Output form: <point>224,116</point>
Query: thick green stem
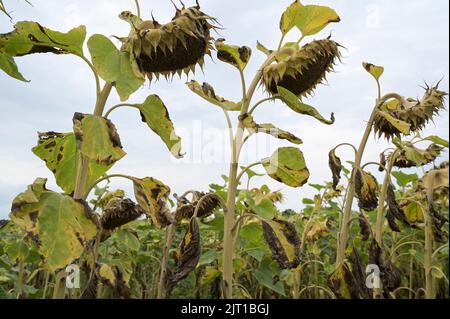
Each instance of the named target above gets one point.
<point>162,286</point>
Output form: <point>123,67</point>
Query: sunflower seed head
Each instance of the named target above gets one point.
<point>300,70</point>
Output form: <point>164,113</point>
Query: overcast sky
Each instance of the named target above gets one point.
<point>408,37</point>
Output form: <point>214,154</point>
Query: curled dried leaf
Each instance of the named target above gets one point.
<point>335,165</point>
<point>411,156</point>
<point>283,241</point>
<point>233,54</point>
<point>188,255</point>
<point>364,225</point>
<point>152,196</point>
<point>366,187</point>
<point>395,212</point>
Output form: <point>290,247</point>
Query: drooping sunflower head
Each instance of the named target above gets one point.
<point>300,70</point>
<point>417,113</point>
<point>171,48</point>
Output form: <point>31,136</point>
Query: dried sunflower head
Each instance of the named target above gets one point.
<point>119,212</point>
<point>186,208</point>
<point>300,70</point>
<point>172,48</point>
<point>417,113</point>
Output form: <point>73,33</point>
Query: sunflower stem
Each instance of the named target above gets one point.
<point>162,285</point>
<point>228,244</point>
<point>346,216</point>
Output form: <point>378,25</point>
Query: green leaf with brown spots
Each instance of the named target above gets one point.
<point>25,206</point>
<point>114,66</point>
<point>153,195</point>
<point>287,165</point>
<point>156,115</point>
<point>30,37</point>
<point>60,154</point>
<point>232,54</point>
<point>97,138</point>
<point>374,70</point>
<point>295,104</point>
<point>206,91</point>
<point>63,227</point>
<point>9,66</point>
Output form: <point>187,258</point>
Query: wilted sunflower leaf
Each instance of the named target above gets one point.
<point>152,195</point>
<point>287,165</point>
<point>342,282</point>
<point>437,140</point>
<point>309,19</point>
<point>264,208</point>
<point>156,115</point>
<point>60,154</point>
<point>364,225</point>
<point>316,230</point>
<point>374,70</point>
<point>112,277</point>
<point>366,190</point>
<point>17,250</point>
<point>114,66</point>
<point>263,49</point>
<point>206,91</point>
<point>233,54</point>
<point>25,207</point>
<point>294,103</point>
<point>30,37</point>
<point>64,227</point>
<point>400,125</point>
<point>283,241</point>
<point>9,66</point>
<point>211,273</point>
<point>267,128</point>
<point>97,138</point>
<point>188,254</point>
<point>265,277</point>
<point>394,210</point>
<point>414,212</point>
<point>411,156</point>
<point>404,179</point>
<point>335,165</point>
